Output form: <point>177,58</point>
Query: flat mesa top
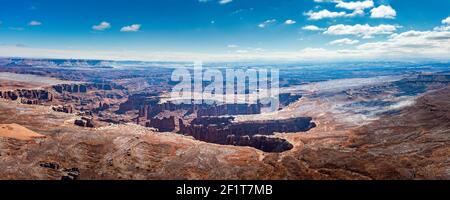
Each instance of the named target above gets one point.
<point>13,80</point>
<point>18,132</point>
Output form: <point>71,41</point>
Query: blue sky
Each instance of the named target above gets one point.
<point>224,29</point>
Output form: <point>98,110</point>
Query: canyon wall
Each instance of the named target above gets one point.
<point>253,133</point>
<point>85,87</point>
<point>165,124</point>
<point>27,96</point>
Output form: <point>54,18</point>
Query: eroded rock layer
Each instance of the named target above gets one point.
<point>253,133</point>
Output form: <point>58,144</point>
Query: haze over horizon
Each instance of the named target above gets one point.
<point>226,30</point>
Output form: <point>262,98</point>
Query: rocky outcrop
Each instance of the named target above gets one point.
<point>201,110</point>
<point>149,106</point>
<point>264,127</point>
<point>70,88</point>
<point>143,102</point>
<point>10,95</point>
<point>85,87</point>
<point>85,122</point>
<point>64,109</point>
<point>261,142</point>
<point>71,174</point>
<point>222,130</point>
<point>165,124</point>
<point>102,107</point>
<point>434,78</point>
<point>27,96</point>
<point>227,109</point>
<point>288,98</point>
<point>50,165</point>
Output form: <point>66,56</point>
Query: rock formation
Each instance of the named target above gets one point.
<point>64,109</point>
<point>165,124</point>
<point>288,98</point>
<point>222,130</point>
<point>27,96</point>
<point>85,122</point>
<point>149,106</point>
<point>261,142</point>
<point>84,87</point>
<point>228,109</point>
<point>138,102</point>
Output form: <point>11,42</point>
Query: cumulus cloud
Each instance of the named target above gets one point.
<point>442,28</point>
<point>312,28</point>
<point>290,22</point>
<point>446,21</point>
<point>409,45</point>
<point>355,5</point>
<point>102,26</point>
<point>365,31</point>
<point>423,43</point>
<point>35,23</point>
<point>267,23</point>
<point>350,5</point>
<point>322,14</point>
<point>344,41</point>
<point>445,27</point>
<point>356,13</point>
<point>132,28</point>
<point>383,12</point>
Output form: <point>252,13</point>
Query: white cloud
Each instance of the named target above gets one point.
<point>383,12</point>
<point>446,21</point>
<point>409,45</point>
<point>323,14</point>
<point>356,13</point>
<point>355,5</point>
<point>445,27</point>
<point>35,23</point>
<point>102,26</point>
<point>413,43</point>
<point>365,31</point>
<point>442,28</point>
<point>233,46</point>
<point>221,2</point>
<point>132,28</point>
<point>242,51</point>
<point>225,1</point>
<point>312,28</point>
<point>290,22</point>
<point>308,53</point>
<point>267,23</point>
<point>344,41</point>
<point>329,14</point>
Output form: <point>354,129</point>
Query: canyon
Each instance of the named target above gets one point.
<point>78,124</point>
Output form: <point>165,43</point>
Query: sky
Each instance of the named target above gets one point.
<point>226,30</point>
